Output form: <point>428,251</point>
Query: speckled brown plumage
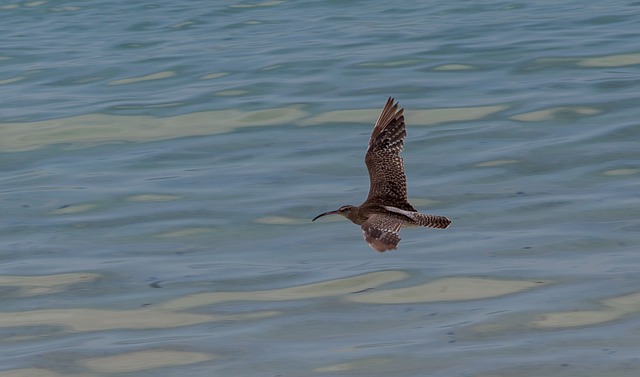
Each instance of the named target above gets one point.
<point>387,209</point>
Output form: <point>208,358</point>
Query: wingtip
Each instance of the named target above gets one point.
<point>390,111</point>
<point>391,102</point>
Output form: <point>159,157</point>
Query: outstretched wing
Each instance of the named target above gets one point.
<point>381,232</point>
<point>388,183</point>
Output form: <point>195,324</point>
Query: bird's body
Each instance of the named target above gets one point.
<point>386,210</point>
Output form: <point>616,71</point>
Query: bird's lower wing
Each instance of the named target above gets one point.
<point>381,233</point>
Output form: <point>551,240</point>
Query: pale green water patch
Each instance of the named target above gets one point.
<point>38,285</point>
<point>414,117</point>
<point>268,3</point>
<point>36,372</point>
<point>618,172</point>
<point>144,360</point>
<point>216,75</point>
<point>186,232</point>
<point>556,113</point>
<point>150,77</point>
<point>497,163</point>
<point>12,80</point>
<point>77,208</point>
<point>393,63</point>
<point>281,220</point>
<point>82,320</point>
<point>612,309</point>
<point>328,288</point>
<point>621,60</point>
<point>357,365</point>
<point>152,198</point>
<point>150,106</point>
<point>448,289</point>
<point>182,25</point>
<point>607,61</point>
<point>102,128</point>
<point>34,4</point>
<point>120,363</point>
<point>453,67</point>
<point>232,92</point>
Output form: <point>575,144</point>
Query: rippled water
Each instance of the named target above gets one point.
<point>160,164</point>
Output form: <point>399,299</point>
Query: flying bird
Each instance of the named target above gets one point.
<point>387,209</point>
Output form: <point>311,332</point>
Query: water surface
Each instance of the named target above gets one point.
<point>160,164</point>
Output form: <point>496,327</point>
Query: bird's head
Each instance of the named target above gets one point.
<point>347,211</point>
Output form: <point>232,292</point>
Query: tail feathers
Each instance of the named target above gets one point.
<point>432,221</point>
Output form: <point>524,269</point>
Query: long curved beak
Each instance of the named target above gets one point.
<point>324,214</point>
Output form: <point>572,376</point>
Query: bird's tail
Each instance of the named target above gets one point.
<point>432,221</point>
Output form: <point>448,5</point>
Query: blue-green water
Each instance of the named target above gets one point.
<point>160,163</point>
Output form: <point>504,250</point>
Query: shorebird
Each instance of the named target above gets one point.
<point>386,209</point>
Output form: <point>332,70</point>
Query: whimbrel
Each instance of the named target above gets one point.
<point>387,209</point>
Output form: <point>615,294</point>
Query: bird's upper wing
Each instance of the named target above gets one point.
<point>381,232</point>
<point>388,183</point>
